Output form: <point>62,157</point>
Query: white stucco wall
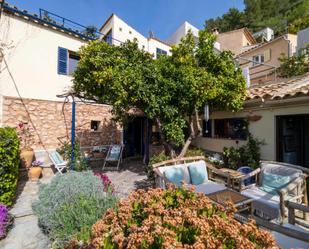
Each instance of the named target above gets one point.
<point>153,44</point>
<point>32,58</point>
<point>264,129</point>
<point>182,31</point>
<point>122,32</point>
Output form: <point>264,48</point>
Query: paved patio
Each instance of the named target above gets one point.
<point>26,234</point>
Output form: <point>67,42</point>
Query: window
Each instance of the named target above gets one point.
<point>257,59</point>
<point>109,37</point>
<point>233,128</point>
<point>160,52</point>
<point>94,125</point>
<point>73,60</point>
<point>67,61</point>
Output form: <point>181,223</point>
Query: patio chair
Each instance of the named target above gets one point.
<point>275,183</point>
<point>114,155</point>
<point>57,161</point>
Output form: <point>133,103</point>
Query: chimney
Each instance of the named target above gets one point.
<point>151,34</point>
<point>215,31</point>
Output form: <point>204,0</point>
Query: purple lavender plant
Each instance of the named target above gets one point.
<point>3,219</point>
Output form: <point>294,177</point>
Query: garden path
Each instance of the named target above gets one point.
<point>26,233</point>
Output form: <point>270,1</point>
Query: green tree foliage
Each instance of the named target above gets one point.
<point>9,163</point>
<point>294,65</point>
<point>280,15</point>
<point>170,90</point>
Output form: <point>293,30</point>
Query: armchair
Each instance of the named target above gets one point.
<point>275,184</point>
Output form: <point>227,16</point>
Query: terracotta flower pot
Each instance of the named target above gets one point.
<point>26,157</point>
<point>34,173</point>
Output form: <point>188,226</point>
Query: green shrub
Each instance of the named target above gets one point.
<point>9,162</point>
<point>155,159</point>
<point>247,155</point>
<point>194,152</point>
<point>79,162</point>
<point>70,205</point>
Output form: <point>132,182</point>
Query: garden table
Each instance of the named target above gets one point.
<point>241,202</point>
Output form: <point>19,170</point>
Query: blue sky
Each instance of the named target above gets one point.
<point>160,16</point>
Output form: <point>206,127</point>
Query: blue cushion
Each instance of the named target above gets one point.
<point>198,173</point>
<point>271,182</point>
<point>174,175</point>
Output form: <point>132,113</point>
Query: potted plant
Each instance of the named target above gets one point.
<point>35,171</point>
<point>26,152</point>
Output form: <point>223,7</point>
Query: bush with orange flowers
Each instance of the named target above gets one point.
<point>173,218</point>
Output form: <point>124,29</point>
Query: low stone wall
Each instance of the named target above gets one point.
<point>51,122</point>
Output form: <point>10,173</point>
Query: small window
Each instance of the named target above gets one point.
<point>73,60</point>
<point>120,29</point>
<point>233,128</point>
<point>130,32</point>
<point>257,59</point>
<point>160,52</point>
<point>94,125</point>
<point>108,37</point>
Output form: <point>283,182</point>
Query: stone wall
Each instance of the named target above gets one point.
<point>51,122</point>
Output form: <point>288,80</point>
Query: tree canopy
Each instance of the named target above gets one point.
<point>170,90</point>
<point>280,15</point>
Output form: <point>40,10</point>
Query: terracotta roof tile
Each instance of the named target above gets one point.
<point>278,90</point>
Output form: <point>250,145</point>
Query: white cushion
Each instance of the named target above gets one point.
<point>182,166</point>
<point>200,163</point>
<point>264,202</point>
<point>209,187</point>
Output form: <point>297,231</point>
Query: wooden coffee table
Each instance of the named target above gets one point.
<point>241,202</point>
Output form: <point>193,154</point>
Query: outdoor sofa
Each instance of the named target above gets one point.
<point>275,183</point>
<point>190,171</point>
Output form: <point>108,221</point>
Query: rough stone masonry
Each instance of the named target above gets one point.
<point>51,122</point>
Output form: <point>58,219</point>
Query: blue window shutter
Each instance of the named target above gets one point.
<point>62,61</point>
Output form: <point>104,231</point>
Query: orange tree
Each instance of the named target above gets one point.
<point>173,218</point>
<point>171,90</point>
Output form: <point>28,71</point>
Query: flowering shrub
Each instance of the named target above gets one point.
<point>25,134</point>
<point>69,205</point>
<point>9,162</point>
<point>174,218</point>
<point>36,163</point>
<point>108,186</point>
<point>3,220</point>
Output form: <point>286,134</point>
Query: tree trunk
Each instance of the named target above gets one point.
<point>167,147</point>
<point>193,133</point>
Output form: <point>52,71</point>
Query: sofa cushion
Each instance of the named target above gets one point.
<point>263,202</point>
<point>198,173</point>
<point>209,187</point>
<point>174,175</point>
<point>272,182</point>
<point>186,176</point>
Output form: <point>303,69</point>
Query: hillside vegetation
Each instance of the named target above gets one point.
<point>281,15</point>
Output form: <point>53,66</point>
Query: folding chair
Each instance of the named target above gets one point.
<point>114,154</point>
<point>58,162</point>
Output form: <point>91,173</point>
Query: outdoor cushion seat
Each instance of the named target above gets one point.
<point>206,187</point>
<point>209,187</point>
<point>266,204</point>
<point>277,183</point>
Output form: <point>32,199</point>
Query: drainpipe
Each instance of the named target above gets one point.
<point>73,133</point>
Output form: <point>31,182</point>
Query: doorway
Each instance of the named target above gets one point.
<point>293,139</point>
<point>135,138</point>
